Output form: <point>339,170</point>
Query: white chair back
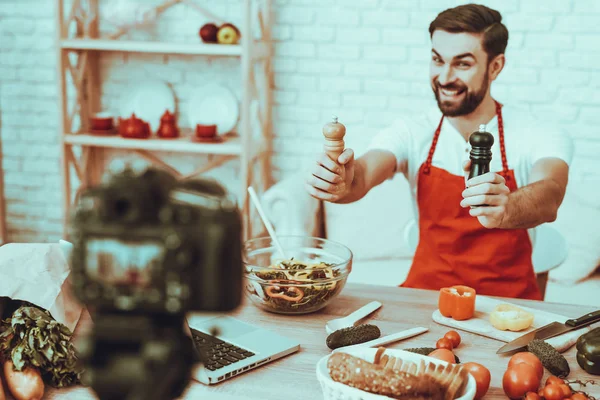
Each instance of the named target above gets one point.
<point>549,250</point>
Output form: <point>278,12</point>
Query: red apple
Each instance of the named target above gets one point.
<point>208,33</point>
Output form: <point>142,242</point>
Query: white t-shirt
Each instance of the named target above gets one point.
<point>526,140</point>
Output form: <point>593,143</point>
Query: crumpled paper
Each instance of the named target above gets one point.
<point>37,273</point>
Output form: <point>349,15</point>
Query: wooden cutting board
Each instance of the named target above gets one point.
<point>480,324</point>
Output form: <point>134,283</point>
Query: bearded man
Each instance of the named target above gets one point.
<point>475,232</point>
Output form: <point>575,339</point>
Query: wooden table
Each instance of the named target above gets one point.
<point>294,377</point>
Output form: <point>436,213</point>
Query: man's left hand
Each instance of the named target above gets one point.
<point>489,189</point>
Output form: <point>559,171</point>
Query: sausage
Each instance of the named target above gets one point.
<point>24,385</point>
<point>2,395</point>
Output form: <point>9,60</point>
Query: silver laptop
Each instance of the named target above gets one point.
<point>235,348</point>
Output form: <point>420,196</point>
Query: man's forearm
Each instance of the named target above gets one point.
<point>532,205</point>
<point>370,170</point>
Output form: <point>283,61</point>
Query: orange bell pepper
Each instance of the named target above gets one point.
<point>457,302</point>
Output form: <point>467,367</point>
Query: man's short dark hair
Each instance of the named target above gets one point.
<point>475,18</point>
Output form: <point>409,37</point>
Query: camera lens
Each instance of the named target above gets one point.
<point>124,208</point>
<point>121,207</point>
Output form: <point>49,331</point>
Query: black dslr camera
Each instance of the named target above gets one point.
<point>148,248</point>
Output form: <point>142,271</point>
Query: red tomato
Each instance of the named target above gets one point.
<point>444,343</point>
<point>532,396</point>
<point>454,337</point>
<point>566,390</point>
<point>482,377</point>
<point>528,358</point>
<point>579,396</point>
<point>553,392</point>
<point>520,379</point>
<point>554,380</point>
<point>443,354</point>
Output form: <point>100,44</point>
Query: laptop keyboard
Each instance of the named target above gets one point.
<point>219,353</point>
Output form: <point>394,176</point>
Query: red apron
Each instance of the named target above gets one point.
<point>455,249</point>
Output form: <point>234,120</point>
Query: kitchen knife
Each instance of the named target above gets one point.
<point>548,331</point>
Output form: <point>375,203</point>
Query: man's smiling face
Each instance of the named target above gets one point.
<point>458,72</point>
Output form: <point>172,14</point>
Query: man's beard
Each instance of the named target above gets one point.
<point>469,103</point>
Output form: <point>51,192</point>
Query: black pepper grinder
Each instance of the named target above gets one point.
<point>481,152</point>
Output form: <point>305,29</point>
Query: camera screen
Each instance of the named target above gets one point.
<point>123,263</point>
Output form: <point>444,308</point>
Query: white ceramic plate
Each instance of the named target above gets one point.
<point>214,104</point>
<point>333,390</point>
<point>127,13</point>
<point>149,101</point>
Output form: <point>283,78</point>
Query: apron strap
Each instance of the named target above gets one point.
<point>505,174</point>
<point>427,166</point>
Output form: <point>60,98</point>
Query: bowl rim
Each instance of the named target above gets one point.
<point>367,353</point>
<point>346,260</point>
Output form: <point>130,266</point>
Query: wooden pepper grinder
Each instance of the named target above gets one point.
<point>168,126</point>
<point>481,152</point>
<point>334,138</point>
<point>334,143</point>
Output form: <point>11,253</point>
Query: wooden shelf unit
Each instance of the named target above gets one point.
<point>252,149</point>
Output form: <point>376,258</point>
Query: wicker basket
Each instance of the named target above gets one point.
<point>337,391</point>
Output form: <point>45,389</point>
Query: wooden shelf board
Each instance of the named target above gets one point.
<point>152,47</point>
<point>230,146</point>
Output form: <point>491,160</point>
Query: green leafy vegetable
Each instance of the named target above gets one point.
<point>31,337</point>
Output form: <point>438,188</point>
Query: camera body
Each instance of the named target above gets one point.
<point>147,249</point>
<point>146,242</point>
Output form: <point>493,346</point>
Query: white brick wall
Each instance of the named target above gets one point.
<point>365,61</point>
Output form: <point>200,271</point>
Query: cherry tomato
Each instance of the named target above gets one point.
<point>443,354</point>
<point>454,337</point>
<point>528,358</point>
<point>520,379</point>
<point>579,396</point>
<point>444,343</point>
<point>482,377</point>
<point>553,392</point>
<point>566,390</point>
<point>532,396</point>
<point>554,380</point>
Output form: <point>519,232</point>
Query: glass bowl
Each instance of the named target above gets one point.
<point>313,273</point>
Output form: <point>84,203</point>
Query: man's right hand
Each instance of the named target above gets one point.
<point>329,180</point>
